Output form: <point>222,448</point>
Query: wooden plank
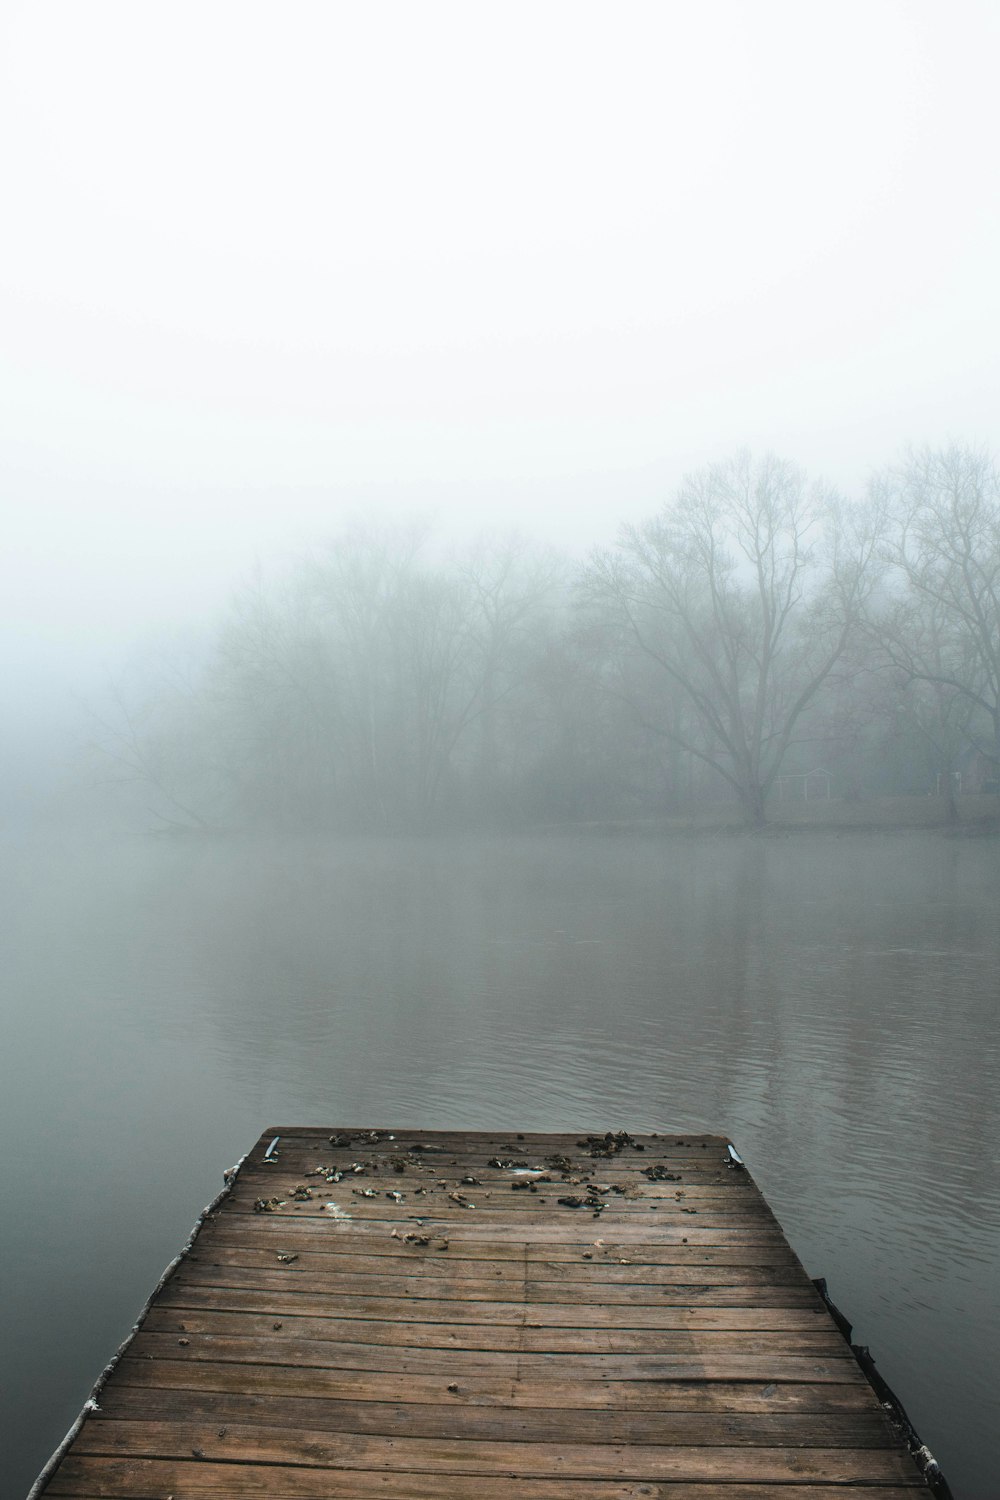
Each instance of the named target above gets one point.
<point>307,1274</point>
<point>581,1231</point>
<point>405,1331</point>
<point>661,1179</point>
<point>471,1281</point>
<point>455,1310</point>
<point>403,1160</point>
<point>663,1186</point>
<point>529,1185</point>
<point>851,1393</point>
<point>868,1429</point>
<point>372,1200</point>
<point>471,1142</point>
<point>350,1334</point>
<point>257,1443</point>
<point>265,1232</point>
<point>536,1293</point>
<point>152,1479</point>
<point>697,1362</point>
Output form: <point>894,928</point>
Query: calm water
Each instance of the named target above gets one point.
<point>830,1003</point>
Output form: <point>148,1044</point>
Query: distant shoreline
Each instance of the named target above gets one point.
<point>978,816</point>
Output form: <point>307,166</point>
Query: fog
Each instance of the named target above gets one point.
<point>530,267</point>
<point>475,468</point>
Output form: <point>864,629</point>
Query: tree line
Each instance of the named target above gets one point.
<point>756,626</point>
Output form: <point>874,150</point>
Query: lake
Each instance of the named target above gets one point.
<point>829,1002</point>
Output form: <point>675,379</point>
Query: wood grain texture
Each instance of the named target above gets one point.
<point>416,1314</point>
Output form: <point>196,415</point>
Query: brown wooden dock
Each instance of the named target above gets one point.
<point>425,1314</point>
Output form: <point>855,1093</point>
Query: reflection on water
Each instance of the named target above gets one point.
<point>830,1003</point>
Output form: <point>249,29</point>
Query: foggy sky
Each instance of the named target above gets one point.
<point>520,264</point>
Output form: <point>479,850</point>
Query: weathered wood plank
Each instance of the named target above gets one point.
<point>351,1334</point>
<point>472,1141</point>
<point>452,1362</point>
<point>152,1479</point>
<point>852,1393</point>
<point>258,1443</point>
<point>577,1229</point>
<point>456,1311</point>
<point>368,1196</point>
<point>658,1182</point>
<point>868,1429</point>
<point>522,1206</point>
<point>307,1274</point>
<point>265,1231</point>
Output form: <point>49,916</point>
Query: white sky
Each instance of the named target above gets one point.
<point>517,263</point>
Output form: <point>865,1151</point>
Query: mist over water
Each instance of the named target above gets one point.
<point>829,1002</point>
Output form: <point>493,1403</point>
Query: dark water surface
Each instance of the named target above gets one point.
<point>831,1003</point>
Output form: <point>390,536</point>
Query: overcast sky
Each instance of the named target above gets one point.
<point>520,264</point>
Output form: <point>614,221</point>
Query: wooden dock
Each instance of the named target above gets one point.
<point>428,1314</point>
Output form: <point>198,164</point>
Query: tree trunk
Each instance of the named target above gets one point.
<point>752,798</point>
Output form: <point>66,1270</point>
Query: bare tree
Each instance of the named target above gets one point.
<point>408,662</point>
<point>745,593</point>
<point>940,623</point>
<point>915,639</point>
<point>269,681</point>
<point>155,735</point>
<point>513,589</point>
